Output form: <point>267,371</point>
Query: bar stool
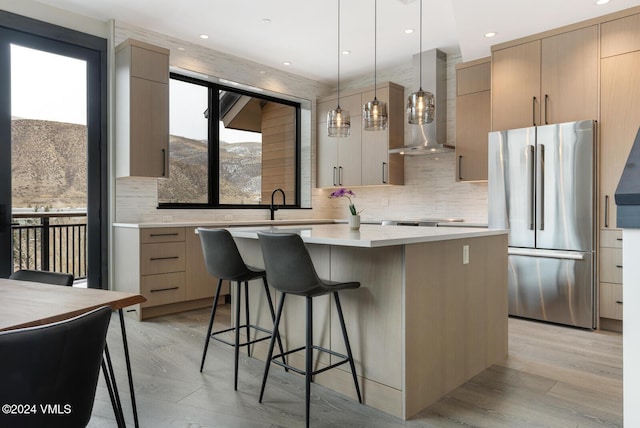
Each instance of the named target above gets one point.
<point>223,260</point>
<point>290,270</point>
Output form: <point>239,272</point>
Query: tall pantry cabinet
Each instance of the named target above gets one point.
<point>620,119</point>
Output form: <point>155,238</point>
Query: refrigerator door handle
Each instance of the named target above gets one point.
<point>532,187</point>
<point>541,186</point>
<point>567,255</point>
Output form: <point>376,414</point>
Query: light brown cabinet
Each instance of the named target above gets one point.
<point>142,110</point>
<point>620,36</point>
<point>550,80</point>
<point>362,158</point>
<point>473,119</point>
<point>165,266</point>
<point>611,274</point>
<point>620,118</point>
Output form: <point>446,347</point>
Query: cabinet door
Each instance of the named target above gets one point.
<point>199,283</point>
<point>150,65</point>
<point>473,123</point>
<point>620,36</point>
<point>149,128</point>
<point>515,86</point>
<point>327,162</point>
<point>375,146</point>
<point>619,120</point>
<point>350,155</point>
<point>569,76</point>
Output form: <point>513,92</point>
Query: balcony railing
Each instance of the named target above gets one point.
<point>53,241</point>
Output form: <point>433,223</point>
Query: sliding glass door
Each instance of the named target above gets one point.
<point>52,150</point>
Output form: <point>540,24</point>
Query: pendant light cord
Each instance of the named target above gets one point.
<point>375,49</point>
<point>338,54</point>
<point>420,45</point>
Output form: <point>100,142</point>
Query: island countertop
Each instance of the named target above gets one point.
<point>369,236</point>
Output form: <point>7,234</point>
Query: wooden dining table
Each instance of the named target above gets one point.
<point>29,304</point>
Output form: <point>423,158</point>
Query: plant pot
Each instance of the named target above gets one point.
<point>354,222</point>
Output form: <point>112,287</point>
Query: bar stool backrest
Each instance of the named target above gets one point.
<point>288,263</point>
<point>221,255</point>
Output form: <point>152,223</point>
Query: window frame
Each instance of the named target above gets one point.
<point>213,151</point>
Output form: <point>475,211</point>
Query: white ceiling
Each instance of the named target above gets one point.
<point>305,31</point>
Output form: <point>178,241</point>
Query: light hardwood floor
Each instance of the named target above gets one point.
<point>554,377</point>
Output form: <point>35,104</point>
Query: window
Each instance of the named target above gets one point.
<point>229,147</point>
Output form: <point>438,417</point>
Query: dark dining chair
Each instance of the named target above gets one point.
<point>50,372</point>
<point>44,276</point>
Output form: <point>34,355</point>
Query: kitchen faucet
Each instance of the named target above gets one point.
<point>273,208</point>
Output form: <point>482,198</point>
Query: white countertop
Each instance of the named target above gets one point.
<point>227,223</point>
<point>368,236</point>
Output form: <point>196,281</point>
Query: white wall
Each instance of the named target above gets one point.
<point>631,320</point>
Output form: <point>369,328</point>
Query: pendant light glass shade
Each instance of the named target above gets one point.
<point>374,113</point>
<point>338,120</point>
<point>421,105</point>
<point>338,123</point>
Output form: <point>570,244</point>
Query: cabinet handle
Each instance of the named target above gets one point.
<point>606,210</point>
<point>618,239</point>
<point>546,109</point>
<point>164,289</point>
<point>533,110</point>
<point>163,258</point>
<point>164,162</point>
<point>340,175</point>
<point>460,168</point>
<point>163,234</point>
<point>384,180</point>
<point>619,266</point>
<point>334,176</point>
<point>619,302</point>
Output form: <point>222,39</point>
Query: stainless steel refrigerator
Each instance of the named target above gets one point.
<point>542,188</point>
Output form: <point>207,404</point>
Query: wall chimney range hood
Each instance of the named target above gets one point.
<point>431,138</point>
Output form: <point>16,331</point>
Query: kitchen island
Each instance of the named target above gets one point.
<point>431,312</point>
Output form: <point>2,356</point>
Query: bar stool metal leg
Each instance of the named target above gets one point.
<point>308,358</point>
<point>246,313</point>
<point>271,344</point>
<point>347,345</point>
<point>213,314</point>
<point>237,338</point>
<point>273,318</point>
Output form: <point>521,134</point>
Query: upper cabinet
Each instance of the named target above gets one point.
<point>473,119</point>
<point>620,36</point>
<point>362,158</point>
<point>142,110</point>
<point>550,80</point>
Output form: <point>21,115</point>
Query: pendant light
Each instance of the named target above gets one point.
<point>374,113</point>
<point>421,105</point>
<point>338,120</point>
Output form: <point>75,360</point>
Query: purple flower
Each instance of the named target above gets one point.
<point>345,193</point>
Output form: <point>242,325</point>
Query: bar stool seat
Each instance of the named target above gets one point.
<point>290,270</point>
<point>223,260</point>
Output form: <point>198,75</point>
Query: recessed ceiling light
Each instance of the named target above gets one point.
<point>266,20</point>
<point>601,2</point>
<point>287,63</point>
<point>204,36</point>
<point>490,34</point>
<point>263,72</point>
<point>409,31</point>
<point>346,52</point>
<point>181,48</point>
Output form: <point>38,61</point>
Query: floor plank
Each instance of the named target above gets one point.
<point>554,377</point>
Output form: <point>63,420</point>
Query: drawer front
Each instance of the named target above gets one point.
<point>611,265</point>
<point>163,289</point>
<point>165,234</point>
<point>162,258</point>
<point>611,300</point>
<point>611,238</point>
